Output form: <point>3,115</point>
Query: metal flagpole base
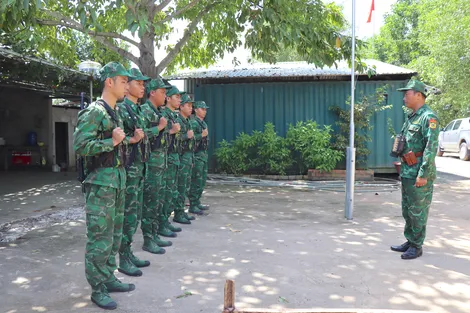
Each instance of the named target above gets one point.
<point>350,179</point>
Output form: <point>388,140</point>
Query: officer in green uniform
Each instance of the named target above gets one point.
<point>186,160</point>
<point>100,139</point>
<point>418,169</point>
<point>137,154</point>
<point>154,185</point>
<point>199,175</point>
<point>173,100</point>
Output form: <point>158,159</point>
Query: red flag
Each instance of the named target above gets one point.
<point>372,8</point>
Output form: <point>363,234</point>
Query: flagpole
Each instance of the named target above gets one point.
<point>351,151</point>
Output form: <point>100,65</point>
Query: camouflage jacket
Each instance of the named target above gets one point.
<point>187,145</point>
<point>93,139</point>
<point>421,131</point>
<point>131,122</point>
<point>198,126</point>
<point>174,144</point>
<point>157,139</point>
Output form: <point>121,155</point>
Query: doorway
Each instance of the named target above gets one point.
<point>62,144</point>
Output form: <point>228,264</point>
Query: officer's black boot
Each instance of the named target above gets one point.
<point>412,253</point>
<point>401,248</point>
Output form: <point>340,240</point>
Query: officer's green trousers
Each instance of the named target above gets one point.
<point>415,208</point>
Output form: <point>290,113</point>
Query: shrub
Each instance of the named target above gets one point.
<point>312,147</point>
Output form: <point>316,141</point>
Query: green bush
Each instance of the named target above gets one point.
<point>273,155</point>
<point>312,147</point>
<point>261,152</point>
<point>306,146</point>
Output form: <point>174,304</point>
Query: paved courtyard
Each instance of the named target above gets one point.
<point>283,247</point>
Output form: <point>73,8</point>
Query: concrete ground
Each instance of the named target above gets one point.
<point>283,248</point>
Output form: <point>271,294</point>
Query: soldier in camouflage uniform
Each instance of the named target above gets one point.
<point>154,185</point>
<point>418,168</point>
<point>199,175</point>
<point>173,100</point>
<point>137,154</point>
<point>100,139</point>
<point>186,160</point>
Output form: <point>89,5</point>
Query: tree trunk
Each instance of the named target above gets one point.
<point>147,55</point>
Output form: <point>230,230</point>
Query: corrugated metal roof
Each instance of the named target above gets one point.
<point>287,69</point>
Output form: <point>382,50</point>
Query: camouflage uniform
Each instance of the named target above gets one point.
<point>421,131</point>
<point>154,186</point>
<point>105,184</point>
<point>171,173</point>
<point>199,175</point>
<point>185,168</point>
<point>137,154</point>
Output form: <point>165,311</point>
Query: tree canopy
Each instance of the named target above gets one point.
<point>433,38</point>
<point>212,28</point>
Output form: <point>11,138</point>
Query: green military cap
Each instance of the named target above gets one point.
<point>174,91</point>
<point>156,83</point>
<point>113,69</point>
<point>137,75</point>
<point>200,105</point>
<point>415,85</point>
<point>185,98</point>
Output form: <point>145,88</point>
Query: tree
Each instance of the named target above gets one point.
<point>433,38</point>
<point>213,27</point>
<point>398,42</point>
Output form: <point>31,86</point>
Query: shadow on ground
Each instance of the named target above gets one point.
<point>283,248</point>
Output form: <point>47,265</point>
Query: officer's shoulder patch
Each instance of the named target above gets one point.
<point>432,123</point>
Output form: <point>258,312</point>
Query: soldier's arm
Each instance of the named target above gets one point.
<point>86,141</point>
<point>150,131</point>
<point>195,127</point>
<point>431,134</point>
<point>125,122</point>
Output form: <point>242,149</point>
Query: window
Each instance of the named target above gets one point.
<point>449,126</point>
<point>457,125</point>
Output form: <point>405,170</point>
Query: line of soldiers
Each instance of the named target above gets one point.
<point>141,162</point>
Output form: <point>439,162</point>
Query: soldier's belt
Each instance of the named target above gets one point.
<point>410,157</point>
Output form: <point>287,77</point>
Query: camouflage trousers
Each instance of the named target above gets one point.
<point>133,203</point>
<point>184,181</point>
<point>171,186</point>
<point>154,192</point>
<point>198,178</point>
<point>104,218</point>
<point>415,209</point>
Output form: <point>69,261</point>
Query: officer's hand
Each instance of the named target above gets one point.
<point>139,134</point>
<point>420,182</point>
<point>205,132</point>
<point>176,128</point>
<point>162,123</point>
<point>118,136</point>
<point>190,134</point>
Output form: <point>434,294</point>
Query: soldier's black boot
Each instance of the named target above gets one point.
<point>174,228</point>
<point>115,285</point>
<point>136,261</point>
<point>101,298</point>
<point>412,253</point>
<point>401,248</point>
<point>203,207</point>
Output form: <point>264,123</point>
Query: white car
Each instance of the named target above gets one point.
<point>455,138</point>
